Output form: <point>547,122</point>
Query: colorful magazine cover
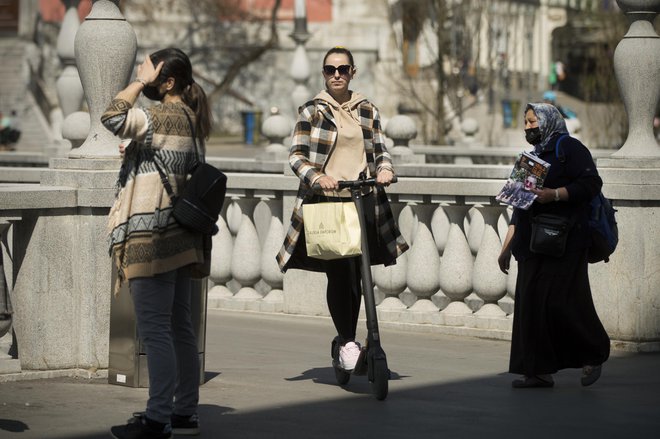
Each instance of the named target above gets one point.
<point>528,171</point>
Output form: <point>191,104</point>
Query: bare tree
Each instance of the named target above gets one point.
<point>221,36</point>
<point>445,31</point>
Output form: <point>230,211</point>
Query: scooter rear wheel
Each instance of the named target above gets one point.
<point>379,386</point>
<point>342,376</point>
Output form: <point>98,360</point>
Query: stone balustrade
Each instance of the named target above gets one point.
<point>449,277</point>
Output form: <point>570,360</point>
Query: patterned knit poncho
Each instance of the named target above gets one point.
<point>144,238</point>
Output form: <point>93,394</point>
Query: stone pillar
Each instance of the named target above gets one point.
<point>639,77</point>
<point>276,127</point>
<point>300,63</point>
<point>105,49</point>
<point>69,89</point>
<point>626,290</point>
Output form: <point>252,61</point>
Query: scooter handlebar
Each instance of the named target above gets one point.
<point>347,184</point>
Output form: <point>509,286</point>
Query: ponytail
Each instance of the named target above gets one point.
<point>195,97</point>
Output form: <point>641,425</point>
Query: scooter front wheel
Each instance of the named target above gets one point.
<point>381,376</point>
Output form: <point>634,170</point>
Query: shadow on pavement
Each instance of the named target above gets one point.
<point>624,403</point>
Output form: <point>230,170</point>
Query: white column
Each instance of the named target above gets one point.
<point>490,284</point>
<point>269,212</point>
<point>423,267</point>
<point>456,268</point>
<point>637,68</point>
<point>105,48</point>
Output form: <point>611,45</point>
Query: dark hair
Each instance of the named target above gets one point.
<point>176,64</point>
<point>340,49</point>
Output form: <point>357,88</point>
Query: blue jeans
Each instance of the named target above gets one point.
<point>162,310</point>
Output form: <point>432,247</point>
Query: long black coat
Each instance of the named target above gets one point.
<point>555,323</point>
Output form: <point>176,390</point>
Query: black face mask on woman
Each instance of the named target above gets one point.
<point>533,135</point>
<point>151,92</point>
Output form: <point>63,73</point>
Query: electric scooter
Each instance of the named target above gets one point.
<point>372,360</point>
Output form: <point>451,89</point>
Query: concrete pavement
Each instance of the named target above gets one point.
<point>269,376</point>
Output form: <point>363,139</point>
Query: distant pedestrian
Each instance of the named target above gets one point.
<point>555,324</point>
<point>149,248</point>
<point>9,131</point>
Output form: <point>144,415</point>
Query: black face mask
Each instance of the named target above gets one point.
<point>533,135</point>
<point>151,92</point>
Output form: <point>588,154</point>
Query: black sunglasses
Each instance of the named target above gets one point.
<point>330,70</point>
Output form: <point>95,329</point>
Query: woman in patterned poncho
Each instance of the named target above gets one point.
<point>149,248</point>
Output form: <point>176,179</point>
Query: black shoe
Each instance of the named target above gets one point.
<point>533,381</point>
<point>590,374</point>
<point>141,427</point>
<point>185,425</point>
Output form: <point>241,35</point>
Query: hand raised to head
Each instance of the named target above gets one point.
<point>147,72</point>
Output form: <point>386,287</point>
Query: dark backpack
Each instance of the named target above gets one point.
<point>603,228</point>
<point>602,224</point>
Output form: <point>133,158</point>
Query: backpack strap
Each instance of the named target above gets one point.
<point>561,158</point>
<point>163,176</point>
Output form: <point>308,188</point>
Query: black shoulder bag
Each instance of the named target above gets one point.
<point>549,234</point>
<point>198,206</point>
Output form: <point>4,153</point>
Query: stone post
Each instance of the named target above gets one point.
<point>105,49</point>
<point>276,127</point>
<point>638,77</point>
<point>402,129</point>
<point>627,289</point>
<point>300,63</point>
<point>69,88</point>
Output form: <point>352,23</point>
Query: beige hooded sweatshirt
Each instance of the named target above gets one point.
<point>348,158</point>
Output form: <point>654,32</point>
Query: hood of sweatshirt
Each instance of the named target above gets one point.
<point>348,106</point>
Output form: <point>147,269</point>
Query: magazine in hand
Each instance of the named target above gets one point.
<point>528,171</point>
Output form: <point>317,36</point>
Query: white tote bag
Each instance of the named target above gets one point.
<point>332,230</point>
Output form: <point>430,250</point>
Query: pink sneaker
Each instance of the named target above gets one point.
<point>348,355</point>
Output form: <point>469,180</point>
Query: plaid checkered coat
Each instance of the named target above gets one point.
<point>314,138</point>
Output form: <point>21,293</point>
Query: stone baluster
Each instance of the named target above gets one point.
<point>456,267</point>
<point>474,230</point>
<point>69,88</point>
<point>267,218</point>
<point>300,63</point>
<point>391,281</point>
<point>423,267</point>
<point>245,257</point>
<point>220,265</point>
<point>402,129</point>
<point>105,49</point>
<point>275,128</point>
<point>506,302</point>
<point>489,283</point>
<point>636,64</point>
<point>440,229</point>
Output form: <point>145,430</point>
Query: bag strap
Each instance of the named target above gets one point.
<point>562,159</point>
<point>163,176</point>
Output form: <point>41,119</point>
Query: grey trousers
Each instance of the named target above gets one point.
<point>162,310</point>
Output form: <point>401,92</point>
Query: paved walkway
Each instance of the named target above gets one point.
<point>269,376</point>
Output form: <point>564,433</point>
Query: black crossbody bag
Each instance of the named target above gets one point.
<point>199,204</point>
<point>550,234</point>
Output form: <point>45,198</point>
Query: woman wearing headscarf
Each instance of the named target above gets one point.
<point>555,325</point>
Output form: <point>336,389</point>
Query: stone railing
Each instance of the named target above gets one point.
<point>448,278</point>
